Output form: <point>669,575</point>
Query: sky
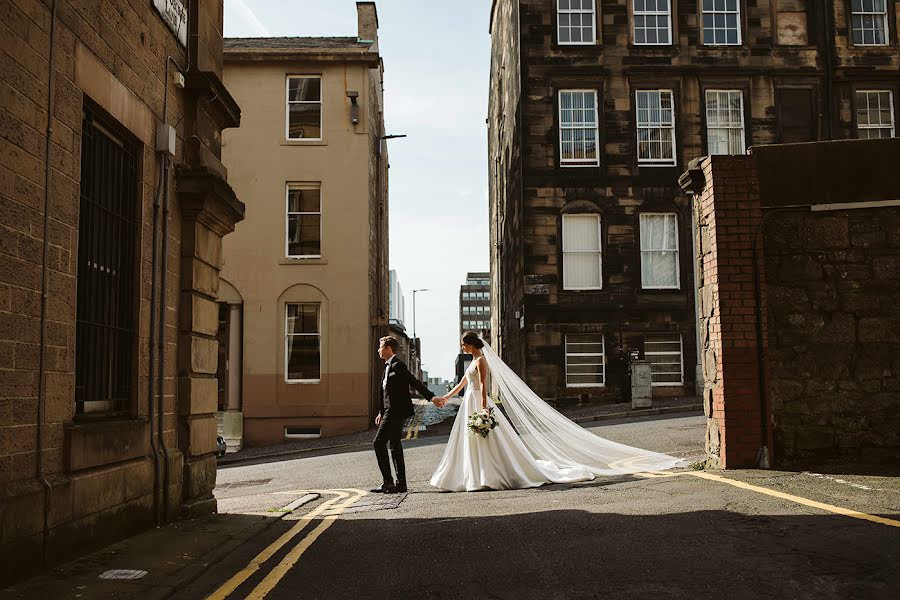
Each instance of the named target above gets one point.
<point>436,65</point>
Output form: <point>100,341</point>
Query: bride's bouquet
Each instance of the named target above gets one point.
<point>482,421</point>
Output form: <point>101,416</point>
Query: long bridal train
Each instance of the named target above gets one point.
<point>545,447</point>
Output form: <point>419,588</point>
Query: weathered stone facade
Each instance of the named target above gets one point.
<point>72,478</point>
<point>797,73</point>
<point>799,249</point>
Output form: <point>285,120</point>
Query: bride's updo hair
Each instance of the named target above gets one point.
<point>471,338</point>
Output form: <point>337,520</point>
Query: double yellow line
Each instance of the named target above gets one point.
<point>343,499</point>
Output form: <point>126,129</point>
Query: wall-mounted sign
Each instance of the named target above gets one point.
<point>175,14</point>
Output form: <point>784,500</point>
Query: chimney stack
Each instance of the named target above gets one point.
<point>367,16</point>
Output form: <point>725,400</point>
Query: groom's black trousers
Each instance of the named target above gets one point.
<point>390,430</point>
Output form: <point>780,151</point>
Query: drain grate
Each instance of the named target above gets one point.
<point>241,484</point>
<point>123,574</point>
<point>370,503</point>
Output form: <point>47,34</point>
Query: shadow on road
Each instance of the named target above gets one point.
<point>581,554</point>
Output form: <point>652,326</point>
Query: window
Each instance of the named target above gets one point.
<point>721,22</point>
<point>105,304</point>
<point>659,251</point>
<point>869,20</point>
<point>582,252</point>
<point>578,128</point>
<point>304,108</point>
<point>725,122</point>
<point>302,342</point>
<point>874,114</point>
<point>655,127</point>
<point>304,221</point>
<point>652,22</point>
<point>797,114</point>
<point>585,360</point>
<point>663,351</point>
<point>576,20</point>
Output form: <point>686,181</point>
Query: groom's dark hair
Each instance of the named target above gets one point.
<point>390,342</point>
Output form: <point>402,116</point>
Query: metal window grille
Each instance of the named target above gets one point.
<point>721,22</point>
<point>576,21</point>
<point>664,352</point>
<point>585,360</point>
<point>655,127</point>
<point>107,234</point>
<point>578,128</point>
<point>725,121</point>
<point>870,22</point>
<point>875,114</point>
<point>652,22</point>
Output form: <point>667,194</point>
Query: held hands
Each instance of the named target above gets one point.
<point>439,401</point>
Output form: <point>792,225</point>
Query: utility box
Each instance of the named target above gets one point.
<point>641,385</point>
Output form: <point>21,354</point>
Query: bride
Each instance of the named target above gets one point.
<point>535,446</point>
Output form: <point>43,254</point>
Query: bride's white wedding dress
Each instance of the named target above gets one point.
<point>544,447</point>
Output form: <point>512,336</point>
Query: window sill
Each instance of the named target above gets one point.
<point>585,385</point>
<point>303,381</point>
<point>303,261</point>
<point>304,143</point>
<point>91,444</point>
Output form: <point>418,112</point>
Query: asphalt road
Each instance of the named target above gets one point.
<point>677,536</point>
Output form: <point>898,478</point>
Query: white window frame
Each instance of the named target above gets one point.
<point>676,250</point>
<point>577,11</point>
<point>567,354</point>
<point>651,13</point>
<point>287,108</point>
<point>287,337</point>
<point>649,126</point>
<point>572,126</point>
<point>868,126</point>
<point>599,220</point>
<point>724,12</point>
<point>680,382</point>
<point>730,125</point>
<point>288,213</point>
<point>876,15</point>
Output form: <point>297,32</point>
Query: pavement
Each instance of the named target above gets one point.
<point>306,527</point>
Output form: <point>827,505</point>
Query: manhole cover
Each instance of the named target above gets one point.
<point>123,574</point>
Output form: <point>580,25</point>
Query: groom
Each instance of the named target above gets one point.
<point>395,407</point>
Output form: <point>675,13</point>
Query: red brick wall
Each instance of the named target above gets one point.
<point>728,216</point>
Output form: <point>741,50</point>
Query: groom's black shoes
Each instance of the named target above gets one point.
<point>400,488</point>
<point>386,488</point>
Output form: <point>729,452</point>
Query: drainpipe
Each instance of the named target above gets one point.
<point>42,362</point>
<point>826,45</point>
<point>151,392</point>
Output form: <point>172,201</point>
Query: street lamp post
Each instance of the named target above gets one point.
<point>414,308</point>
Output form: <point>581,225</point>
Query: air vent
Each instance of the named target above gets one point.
<point>302,433</point>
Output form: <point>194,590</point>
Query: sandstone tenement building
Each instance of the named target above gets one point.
<point>306,272</point>
<point>114,205</point>
<point>596,107</point>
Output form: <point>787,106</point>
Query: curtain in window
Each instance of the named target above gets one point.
<point>659,251</point>
<point>581,252</point>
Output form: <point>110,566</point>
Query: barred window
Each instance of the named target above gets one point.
<point>106,302</point>
<point>725,122</point>
<point>578,128</point>
<point>655,127</point>
<point>575,21</point>
<point>585,360</point>
<point>304,108</point>
<point>874,114</point>
<point>869,20</point>
<point>302,342</point>
<point>659,251</point>
<point>652,22</point>
<point>582,264</point>
<point>664,352</point>
<point>304,221</point>
<point>721,22</point>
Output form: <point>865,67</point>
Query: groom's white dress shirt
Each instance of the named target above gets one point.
<point>387,369</point>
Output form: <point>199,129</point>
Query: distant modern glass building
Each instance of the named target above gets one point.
<point>475,304</point>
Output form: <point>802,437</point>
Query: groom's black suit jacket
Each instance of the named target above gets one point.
<point>395,398</point>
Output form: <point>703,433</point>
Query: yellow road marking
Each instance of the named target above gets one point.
<point>241,576</point>
<point>287,563</point>
<point>838,510</point>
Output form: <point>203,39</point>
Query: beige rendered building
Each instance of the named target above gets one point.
<point>305,281</point>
